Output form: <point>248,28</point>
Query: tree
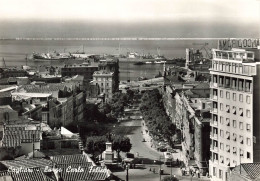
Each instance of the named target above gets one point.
<point>120,143</point>
<point>170,178</point>
<point>95,145</point>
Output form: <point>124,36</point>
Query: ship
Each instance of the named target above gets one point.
<point>54,56</point>
<point>133,57</point>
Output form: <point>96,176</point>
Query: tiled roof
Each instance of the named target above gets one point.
<point>74,165</point>
<point>252,169</point>
<point>4,173</point>
<point>31,175</point>
<point>14,138</point>
<point>28,163</point>
<point>36,174</point>
<point>65,159</point>
<point>86,173</point>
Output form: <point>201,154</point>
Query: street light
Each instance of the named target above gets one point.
<point>127,172</point>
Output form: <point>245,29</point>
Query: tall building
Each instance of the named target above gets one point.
<point>235,125</point>
<point>79,69</point>
<point>111,65</point>
<point>106,82</point>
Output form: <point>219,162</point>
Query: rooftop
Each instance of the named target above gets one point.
<point>248,170</point>
<point>103,72</point>
<point>28,163</point>
<point>65,159</point>
<point>32,175</point>
<point>79,66</point>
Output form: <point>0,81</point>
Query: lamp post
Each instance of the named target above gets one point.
<point>127,172</point>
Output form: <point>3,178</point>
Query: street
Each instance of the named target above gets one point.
<point>134,128</point>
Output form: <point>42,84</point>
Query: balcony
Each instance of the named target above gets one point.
<point>215,161</point>
<point>213,84</point>
<point>213,123</point>
<point>214,136</point>
<point>214,110</point>
<point>214,97</point>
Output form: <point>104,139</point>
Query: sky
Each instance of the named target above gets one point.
<point>130,10</point>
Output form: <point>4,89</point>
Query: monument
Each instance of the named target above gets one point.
<point>108,153</point>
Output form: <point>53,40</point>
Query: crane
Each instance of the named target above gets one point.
<point>204,46</point>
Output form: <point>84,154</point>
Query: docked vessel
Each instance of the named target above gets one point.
<point>137,59</point>
<point>55,56</point>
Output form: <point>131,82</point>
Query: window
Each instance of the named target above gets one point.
<point>228,162</point>
<point>248,113</point>
<point>248,99</point>
<point>228,108</point>
<point>228,135</point>
<point>241,112</point>
<point>234,137</point>
<point>221,93</point>
<point>234,96</point>
<point>234,110</point>
<point>241,139</point>
<point>234,150</point>
<point>221,106</point>
<point>234,123</point>
<point>248,142</point>
<point>241,97</point>
<point>248,127</point>
<point>227,121</point>
<point>221,133</point>
<point>241,126</point>
<point>221,159</point>
<point>248,155</point>
<point>221,120</point>
<point>241,153</point>
<point>214,171</point>
<point>220,174</point>
<point>221,146</point>
<point>227,95</point>
<point>234,162</point>
<point>228,148</point>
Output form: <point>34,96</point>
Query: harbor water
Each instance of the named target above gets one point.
<point>14,52</point>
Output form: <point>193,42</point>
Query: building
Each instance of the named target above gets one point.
<point>112,65</point>
<point>106,82</point>
<point>79,69</point>
<point>235,81</point>
<point>5,94</point>
<point>192,118</point>
<point>12,72</point>
<point>22,133</point>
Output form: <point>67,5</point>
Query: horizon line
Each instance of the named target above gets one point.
<point>126,38</point>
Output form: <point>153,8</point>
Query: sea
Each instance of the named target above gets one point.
<point>14,52</point>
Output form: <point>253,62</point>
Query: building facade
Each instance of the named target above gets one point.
<point>81,69</point>
<point>106,82</point>
<point>235,111</point>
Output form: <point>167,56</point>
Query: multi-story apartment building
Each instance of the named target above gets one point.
<point>79,69</point>
<point>235,80</point>
<point>106,82</point>
<point>112,65</point>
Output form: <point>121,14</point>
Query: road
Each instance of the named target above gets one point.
<point>132,128</point>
